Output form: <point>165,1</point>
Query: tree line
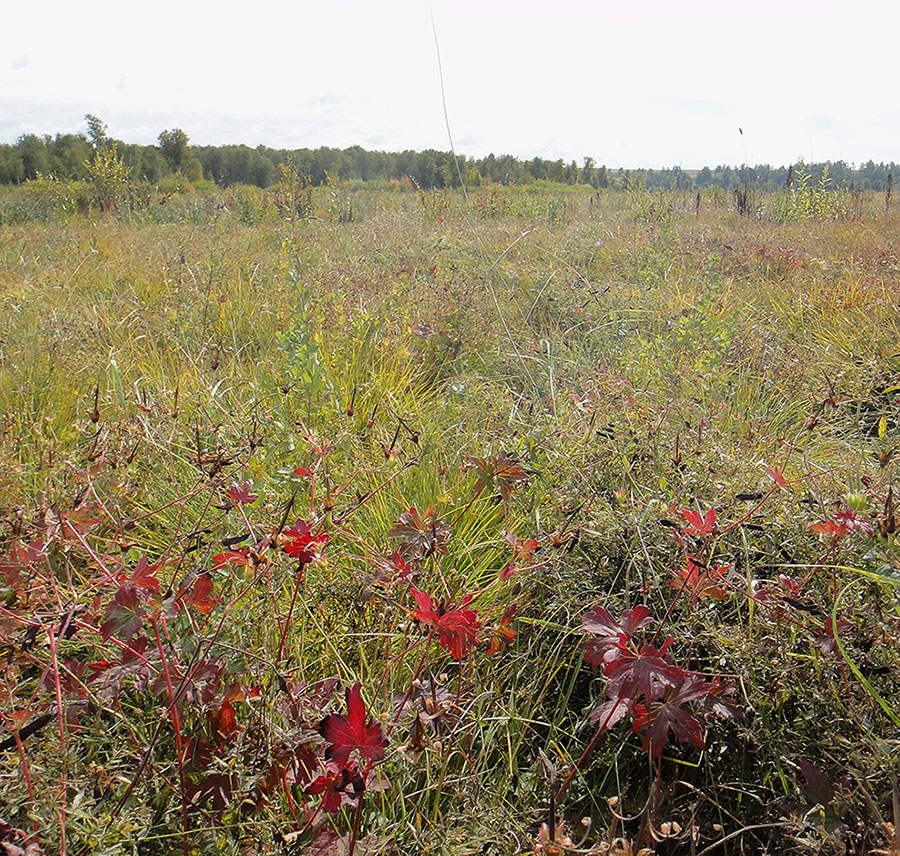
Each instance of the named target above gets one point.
<point>69,156</point>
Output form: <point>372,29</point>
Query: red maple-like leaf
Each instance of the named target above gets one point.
<point>302,543</point>
<point>422,533</point>
<point>333,787</point>
<point>125,615</point>
<point>700,580</point>
<point>609,637</point>
<point>143,576</point>
<point>508,474</point>
<point>854,522</point>
<point>502,472</point>
<point>774,595</point>
<point>778,476</point>
<point>827,642</point>
<point>523,550</point>
<point>456,626</point>
<point>200,596</point>
<point>222,719</point>
<point>392,570</point>
<point>658,718</point>
<point>241,558</point>
<point>346,734</point>
<point>326,843</point>
<point>699,525</point>
<point>610,712</point>
<point>643,673</point>
<point>719,699</point>
<point>503,634</point>
<point>832,528</point>
<point>242,494</point>
<point>816,785</point>
<point>212,784</point>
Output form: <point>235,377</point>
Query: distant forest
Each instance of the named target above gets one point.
<point>67,156</point>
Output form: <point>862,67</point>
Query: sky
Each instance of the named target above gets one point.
<point>633,83</point>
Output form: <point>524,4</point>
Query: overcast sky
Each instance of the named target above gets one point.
<point>629,83</point>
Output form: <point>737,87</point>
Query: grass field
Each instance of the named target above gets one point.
<point>423,520</point>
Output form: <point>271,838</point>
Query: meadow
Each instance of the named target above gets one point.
<point>367,519</point>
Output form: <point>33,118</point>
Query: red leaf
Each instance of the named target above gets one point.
<point>523,549</point>
<point>457,627</point>
<point>393,570</point>
<point>644,673</point>
<point>144,576</point>
<point>778,476</point>
<point>333,787</point>
<point>700,580</point>
<point>610,637</point>
<point>658,718</point>
<point>699,525</point>
<point>326,843</point>
<point>826,642</point>
<point>422,534</point>
<point>125,615</point>
<point>242,494</point>
<point>223,721</point>
<point>200,596</point>
<point>854,522</point>
<point>328,787</point>
<point>718,700</point>
<point>611,712</point>
<point>346,734</point>
<point>423,600</point>
<point>502,472</point>
<point>816,785</point>
<point>241,558</point>
<point>506,571</point>
<point>832,528</point>
<point>302,544</point>
<point>504,634</point>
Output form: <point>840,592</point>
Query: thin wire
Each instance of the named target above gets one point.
<point>437,50</point>
<point>490,272</point>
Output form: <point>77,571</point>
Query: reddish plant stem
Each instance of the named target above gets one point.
<point>26,774</point>
<point>287,793</point>
<point>410,463</point>
<point>750,513</point>
<point>576,769</point>
<point>90,552</point>
<point>145,761</point>
<point>354,835</point>
<point>179,747</point>
<point>416,674</point>
<point>468,505</point>
<point>287,619</point>
<point>61,725</point>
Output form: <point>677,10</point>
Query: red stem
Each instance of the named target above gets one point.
<point>27,775</point>
<point>287,620</point>
<point>358,816</point>
<point>578,764</point>
<point>179,748</point>
<point>61,724</point>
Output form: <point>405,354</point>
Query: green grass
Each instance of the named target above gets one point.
<point>637,358</point>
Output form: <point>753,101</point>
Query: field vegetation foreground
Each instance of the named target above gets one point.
<point>377,520</point>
